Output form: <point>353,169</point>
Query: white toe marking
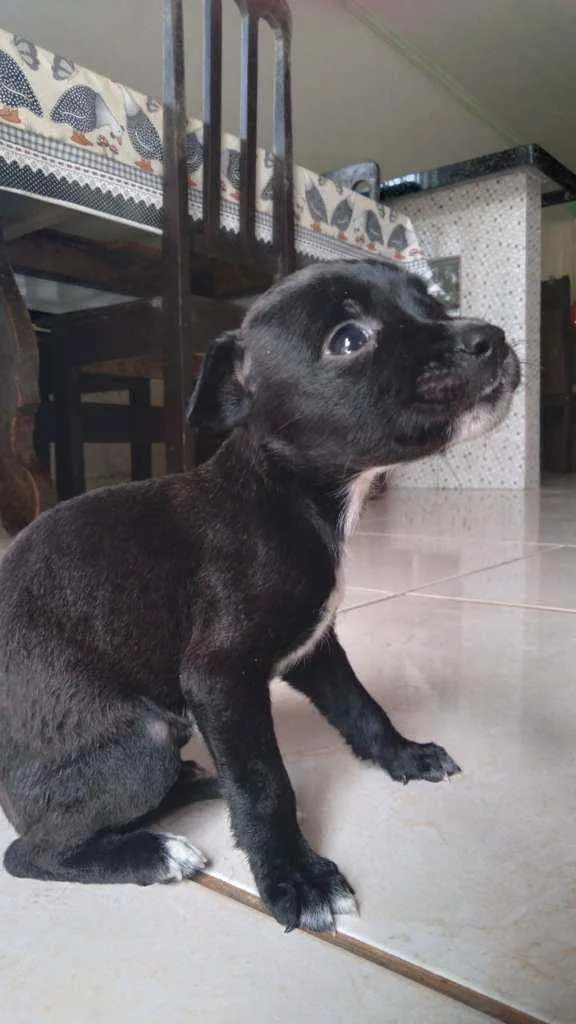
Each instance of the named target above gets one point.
<point>318,918</point>
<point>344,903</point>
<point>182,859</point>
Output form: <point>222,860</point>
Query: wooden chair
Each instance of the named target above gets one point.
<point>25,486</point>
<point>558,394</point>
<point>208,235</point>
<point>118,348</point>
<point>174,331</point>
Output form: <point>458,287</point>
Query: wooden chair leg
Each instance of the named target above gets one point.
<point>176,306</point>
<point>564,433</point>
<point>70,476</point>
<point>25,486</point>
<point>569,438</point>
<point>140,453</point>
<point>41,438</point>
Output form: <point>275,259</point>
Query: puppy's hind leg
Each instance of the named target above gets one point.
<point>77,816</point>
<point>140,858</point>
<point>192,786</point>
<point>193,783</point>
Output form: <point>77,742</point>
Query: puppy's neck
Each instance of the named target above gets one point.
<point>332,498</point>
<point>354,497</point>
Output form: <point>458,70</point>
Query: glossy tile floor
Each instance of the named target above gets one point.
<point>460,617</point>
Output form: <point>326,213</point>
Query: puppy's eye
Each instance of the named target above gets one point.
<point>349,338</point>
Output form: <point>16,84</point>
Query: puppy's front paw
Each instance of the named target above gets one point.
<point>309,895</point>
<point>420,761</point>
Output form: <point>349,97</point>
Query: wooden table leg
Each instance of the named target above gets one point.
<point>25,487</point>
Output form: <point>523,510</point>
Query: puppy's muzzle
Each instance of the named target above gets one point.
<point>493,370</point>
<point>481,341</point>
<point>491,361</point>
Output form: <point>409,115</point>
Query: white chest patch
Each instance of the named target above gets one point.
<point>355,498</point>
<point>358,492</point>
<point>325,621</point>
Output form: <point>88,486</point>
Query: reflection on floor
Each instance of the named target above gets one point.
<point>460,617</point>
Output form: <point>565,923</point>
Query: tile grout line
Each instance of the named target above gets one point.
<point>468,538</point>
<point>423,976</point>
<point>496,603</point>
<point>416,591</point>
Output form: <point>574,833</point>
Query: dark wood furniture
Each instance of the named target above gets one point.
<point>25,486</point>
<point>558,401</point>
<point>118,348</point>
<point>208,236</point>
<point>199,263</point>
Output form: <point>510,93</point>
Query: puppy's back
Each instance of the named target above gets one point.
<point>95,593</point>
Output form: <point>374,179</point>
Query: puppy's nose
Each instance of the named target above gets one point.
<point>480,340</point>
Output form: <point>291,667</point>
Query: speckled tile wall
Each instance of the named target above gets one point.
<point>494,226</point>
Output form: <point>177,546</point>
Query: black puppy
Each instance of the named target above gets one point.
<point>128,612</point>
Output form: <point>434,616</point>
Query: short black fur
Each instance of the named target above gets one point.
<point>130,611</point>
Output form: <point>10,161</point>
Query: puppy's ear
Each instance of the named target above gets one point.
<point>220,400</point>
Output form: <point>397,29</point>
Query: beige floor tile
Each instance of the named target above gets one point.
<point>96,955</point>
<point>354,597</point>
<point>397,563</point>
<point>546,580</point>
<point>544,516</point>
<point>475,878</point>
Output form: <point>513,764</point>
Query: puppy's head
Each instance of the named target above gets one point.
<point>352,366</point>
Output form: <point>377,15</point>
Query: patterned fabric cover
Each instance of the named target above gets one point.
<point>74,137</point>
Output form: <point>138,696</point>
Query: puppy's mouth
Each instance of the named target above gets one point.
<point>469,398</point>
<point>492,404</point>
<point>506,379</point>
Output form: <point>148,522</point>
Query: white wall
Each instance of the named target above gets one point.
<point>514,57</point>
<point>354,96</point>
<point>494,226</point>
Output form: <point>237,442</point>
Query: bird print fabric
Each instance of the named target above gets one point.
<point>71,134</point>
<point>16,93</point>
<point>84,110</point>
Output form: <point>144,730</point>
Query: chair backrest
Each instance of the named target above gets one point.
<point>277,14</point>
<point>179,318</point>
<point>558,338</point>
<point>176,225</point>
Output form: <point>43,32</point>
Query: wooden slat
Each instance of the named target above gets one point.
<point>248,128</point>
<point>283,190</point>
<point>140,396</point>
<point>94,264</point>
<point>112,333</point>
<point>137,270</point>
<point>212,116</point>
<point>101,423</point>
<point>176,317</point>
<point>47,216</point>
<point>277,14</point>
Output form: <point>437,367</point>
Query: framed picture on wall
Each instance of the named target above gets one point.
<point>446,275</point>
